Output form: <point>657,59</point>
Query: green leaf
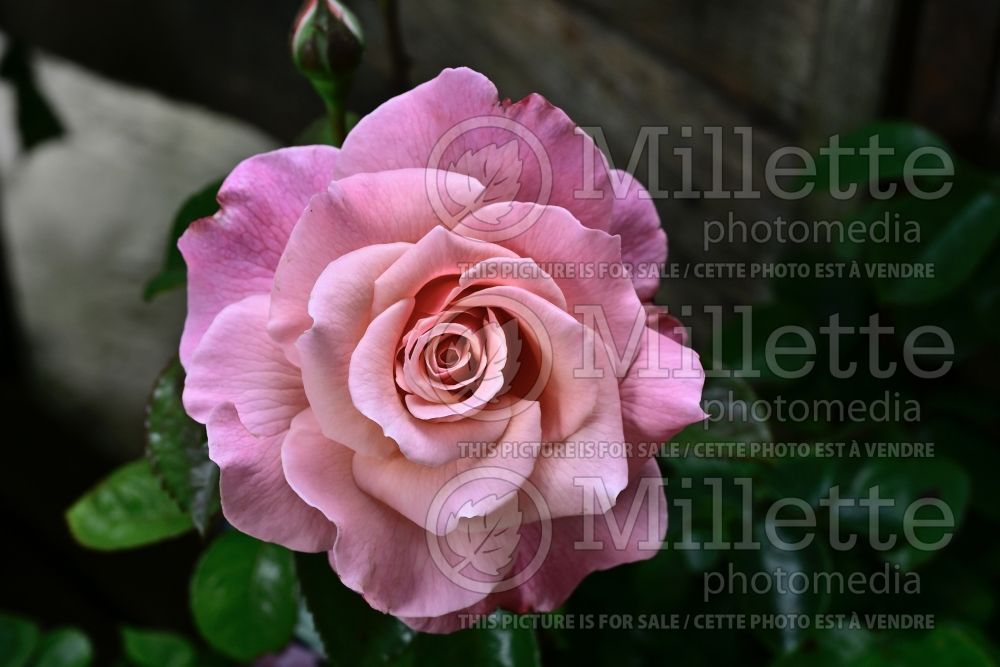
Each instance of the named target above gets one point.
<point>243,596</point>
<point>305,628</point>
<point>353,633</point>
<point>948,646</point>
<point>979,456</point>
<point>956,234</point>
<point>809,478</point>
<point>902,137</point>
<point>177,449</point>
<point>66,647</point>
<point>960,593</point>
<point>952,646</point>
<point>746,336</point>
<point>18,639</point>
<point>153,648</point>
<point>904,482</point>
<point>493,646</point>
<point>772,557</point>
<point>127,509</point>
<point>954,253</point>
<point>205,502</point>
<point>829,648</point>
<point>705,451</point>
<point>967,314</point>
<point>173,273</point>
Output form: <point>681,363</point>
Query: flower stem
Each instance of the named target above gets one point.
<point>337,113</point>
<point>394,39</point>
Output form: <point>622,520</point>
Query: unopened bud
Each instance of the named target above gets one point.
<point>326,46</point>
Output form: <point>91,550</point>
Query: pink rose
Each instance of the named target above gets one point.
<point>428,305</point>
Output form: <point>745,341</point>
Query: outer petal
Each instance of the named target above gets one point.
<point>662,392</point>
<point>355,212</point>
<point>255,496</point>
<point>378,552</point>
<point>233,254</point>
<point>404,131</point>
<point>238,363</point>
<point>623,539</point>
<point>644,243</point>
<point>660,320</point>
<point>341,307</point>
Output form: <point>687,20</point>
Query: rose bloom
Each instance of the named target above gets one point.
<point>456,274</point>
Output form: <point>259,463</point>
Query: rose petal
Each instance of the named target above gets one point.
<point>409,488</point>
<point>404,131</point>
<point>592,278</point>
<point>373,390</point>
<point>233,254</point>
<point>438,406</point>
<point>660,320</point>
<point>256,499</point>
<point>355,212</point>
<point>594,449</point>
<point>526,274</point>
<point>237,362</point>
<point>644,243</point>
<point>567,396</point>
<point>340,307</point>
<point>662,392</point>
<point>566,563</point>
<point>441,253</point>
<point>378,552</point>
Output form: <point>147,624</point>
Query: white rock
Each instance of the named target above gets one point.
<point>85,222</point>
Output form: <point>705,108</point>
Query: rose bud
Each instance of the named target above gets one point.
<point>326,46</point>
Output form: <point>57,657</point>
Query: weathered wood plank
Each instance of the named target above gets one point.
<point>850,67</point>
<point>952,77</point>
<point>759,53</point>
